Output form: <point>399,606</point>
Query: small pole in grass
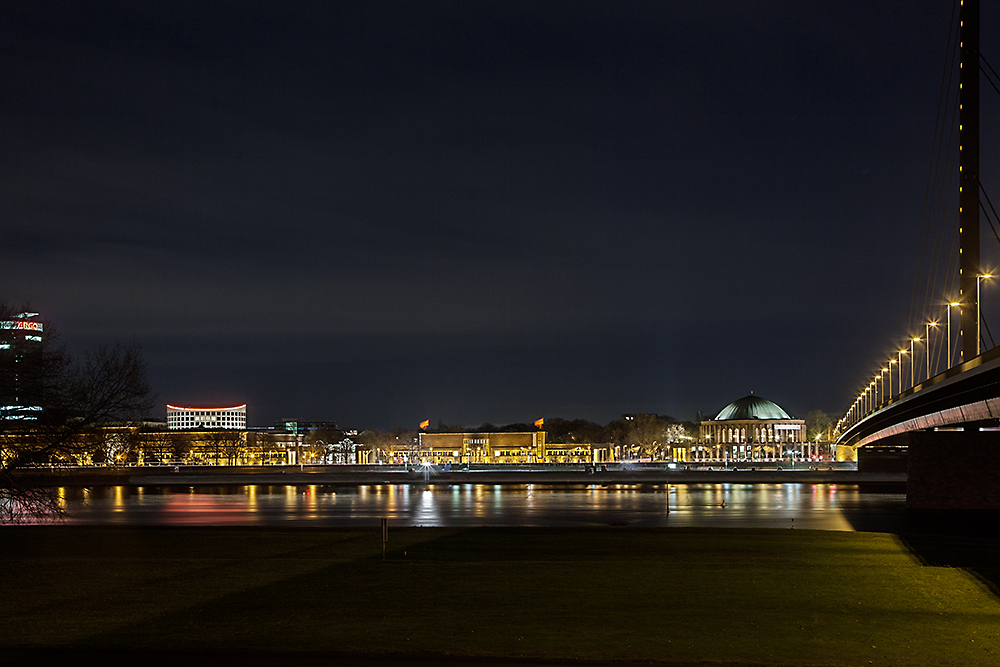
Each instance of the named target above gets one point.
<point>385,535</point>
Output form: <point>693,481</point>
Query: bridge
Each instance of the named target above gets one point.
<point>947,421</point>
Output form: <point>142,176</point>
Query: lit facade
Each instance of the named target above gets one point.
<point>502,448</point>
<point>20,384</point>
<point>180,418</point>
<point>754,429</point>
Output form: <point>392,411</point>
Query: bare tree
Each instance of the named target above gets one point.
<point>225,446</point>
<point>646,433</point>
<point>158,445</point>
<point>76,400</point>
<point>263,443</point>
<point>233,446</point>
<point>380,444</point>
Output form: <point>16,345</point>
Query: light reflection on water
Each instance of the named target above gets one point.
<point>817,506</point>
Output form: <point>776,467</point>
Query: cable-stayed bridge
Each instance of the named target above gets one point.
<point>938,392</point>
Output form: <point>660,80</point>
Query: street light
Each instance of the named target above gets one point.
<point>979,345</point>
<point>881,376</point>
<point>899,360</point>
<point>950,306</point>
<point>891,362</point>
<point>927,327</point>
<point>913,377</point>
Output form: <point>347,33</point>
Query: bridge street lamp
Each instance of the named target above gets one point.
<point>881,377</point>
<point>927,327</point>
<point>891,362</point>
<point>979,343</point>
<point>899,360</point>
<point>950,306</point>
<point>913,357</point>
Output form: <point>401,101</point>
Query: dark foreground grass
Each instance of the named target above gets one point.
<point>699,596</point>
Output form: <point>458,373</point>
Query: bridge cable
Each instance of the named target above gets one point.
<point>929,252</point>
<point>987,327</point>
<point>986,213</point>
<point>989,219</point>
<point>942,199</point>
<point>983,61</point>
<point>944,144</point>
<point>952,278</point>
<point>944,203</point>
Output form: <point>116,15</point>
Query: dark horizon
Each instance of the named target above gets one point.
<point>380,213</point>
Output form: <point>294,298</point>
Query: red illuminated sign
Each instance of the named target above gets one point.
<point>23,326</point>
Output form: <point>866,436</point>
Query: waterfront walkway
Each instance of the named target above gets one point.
<point>356,475</point>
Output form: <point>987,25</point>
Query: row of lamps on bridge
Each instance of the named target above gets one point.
<point>869,399</point>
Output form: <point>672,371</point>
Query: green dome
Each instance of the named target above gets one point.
<point>752,407</point>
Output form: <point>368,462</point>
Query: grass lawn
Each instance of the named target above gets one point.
<point>701,596</point>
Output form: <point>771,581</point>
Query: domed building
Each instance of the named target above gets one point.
<point>754,429</point>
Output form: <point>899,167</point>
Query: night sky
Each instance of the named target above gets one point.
<point>384,212</point>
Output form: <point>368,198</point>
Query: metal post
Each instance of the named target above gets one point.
<point>927,349</point>
<point>950,304</point>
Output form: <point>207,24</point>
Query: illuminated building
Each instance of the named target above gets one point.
<point>179,418</point>
<point>21,384</point>
<point>500,448</point>
<point>754,429</point>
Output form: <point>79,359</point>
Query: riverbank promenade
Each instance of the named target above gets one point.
<point>357,475</point>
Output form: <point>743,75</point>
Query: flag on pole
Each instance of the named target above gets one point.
<point>540,423</point>
<point>424,424</point>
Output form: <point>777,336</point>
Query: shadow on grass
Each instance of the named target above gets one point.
<point>968,539</point>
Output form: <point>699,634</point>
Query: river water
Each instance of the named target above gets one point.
<point>812,506</point>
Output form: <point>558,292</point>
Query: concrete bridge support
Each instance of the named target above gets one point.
<point>953,470</point>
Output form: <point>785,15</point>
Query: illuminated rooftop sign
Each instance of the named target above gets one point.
<point>177,407</point>
<point>21,325</point>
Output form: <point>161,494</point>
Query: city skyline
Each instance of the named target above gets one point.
<point>385,213</point>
